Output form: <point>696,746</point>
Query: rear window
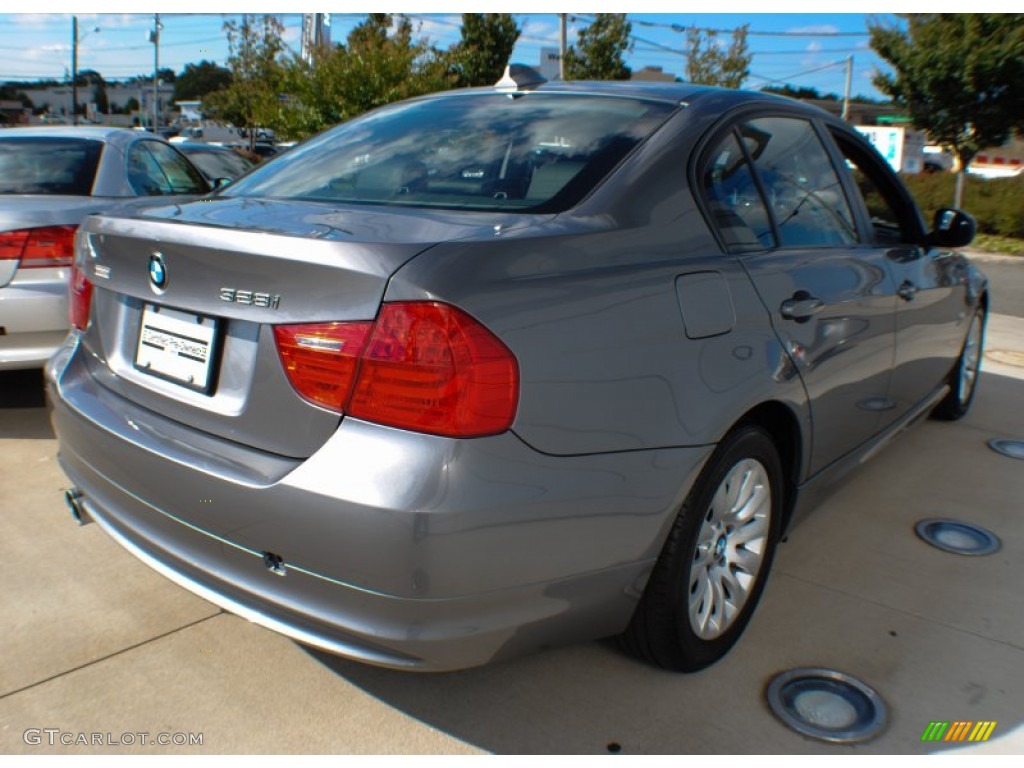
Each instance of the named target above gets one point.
<point>46,165</point>
<point>534,151</point>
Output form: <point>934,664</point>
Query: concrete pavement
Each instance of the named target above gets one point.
<point>97,643</point>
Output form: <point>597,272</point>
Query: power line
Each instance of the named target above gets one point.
<point>800,74</point>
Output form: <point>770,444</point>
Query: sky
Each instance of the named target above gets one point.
<point>801,49</point>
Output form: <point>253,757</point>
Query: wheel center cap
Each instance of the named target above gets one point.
<point>720,547</point>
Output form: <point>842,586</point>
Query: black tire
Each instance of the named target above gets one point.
<point>963,379</point>
<point>661,631</point>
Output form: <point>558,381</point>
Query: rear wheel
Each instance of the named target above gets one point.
<point>711,572</point>
<point>963,379</point>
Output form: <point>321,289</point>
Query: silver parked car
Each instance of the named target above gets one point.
<point>219,164</point>
<point>51,179</point>
<point>496,369</point>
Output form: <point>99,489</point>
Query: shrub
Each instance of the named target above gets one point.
<point>997,204</point>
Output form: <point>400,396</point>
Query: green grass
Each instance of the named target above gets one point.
<point>999,244</point>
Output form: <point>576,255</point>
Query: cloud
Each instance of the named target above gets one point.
<point>435,29</point>
<point>815,29</point>
<point>31,19</point>
<point>535,28</point>
<point>43,52</point>
<point>814,46</point>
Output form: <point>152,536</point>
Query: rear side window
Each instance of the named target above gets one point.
<point>488,151</point>
<point>157,169</point>
<point>46,165</point>
<point>734,201</point>
<point>800,184</point>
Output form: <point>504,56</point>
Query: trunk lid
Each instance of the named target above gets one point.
<point>234,268</point>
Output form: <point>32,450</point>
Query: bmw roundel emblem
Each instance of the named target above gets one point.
<point>157,271</point>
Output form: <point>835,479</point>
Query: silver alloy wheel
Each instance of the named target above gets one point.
<point>971,360</point>
<point>730,549</point>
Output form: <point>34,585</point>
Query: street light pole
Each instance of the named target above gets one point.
<point>74,70</point>
<point>846,93</point>
<point>155,37</point>
<point>561,46</point>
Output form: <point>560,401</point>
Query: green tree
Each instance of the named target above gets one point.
<point>252,100</point>
<point>89,77</point>
<point>379,63</point>
<point>99,96</point>
<point>598,54</point>
<point>479,58</point>
<point>959,75</point>
<point>197,80</point>
<point>708,63</point>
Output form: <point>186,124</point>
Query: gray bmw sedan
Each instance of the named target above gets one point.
<point>496,369</point>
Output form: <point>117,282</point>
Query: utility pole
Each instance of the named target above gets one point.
<point>74,70</point>
<point>561,45</point>
<point>154,37</point>
<point>75,40</point>
<point>849,82</point>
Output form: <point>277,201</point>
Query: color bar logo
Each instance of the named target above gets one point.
<point>959,730</point>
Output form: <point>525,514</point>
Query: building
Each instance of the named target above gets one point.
<point>653,75</point>
<point>57,99</point>
<point>316,34</point>
<point>901,146</point>
<point>997,162</point>
<point>550,63</point>
<point>14,113</point>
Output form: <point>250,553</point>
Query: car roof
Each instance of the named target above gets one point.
<point>679,93</point>
<point>109,135</point>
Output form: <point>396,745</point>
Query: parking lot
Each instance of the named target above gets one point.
<point>98,643</point>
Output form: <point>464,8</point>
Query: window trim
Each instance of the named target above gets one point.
<point>828,128</point>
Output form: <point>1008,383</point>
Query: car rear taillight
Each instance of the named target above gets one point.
<point>79,287</point>
<point>79,298</point>
<point>423,366</point>
<point>39,247</point>
<point>321,359</point>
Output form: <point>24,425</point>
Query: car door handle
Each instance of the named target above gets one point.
<point>801,308</point>
<point>907,290</point>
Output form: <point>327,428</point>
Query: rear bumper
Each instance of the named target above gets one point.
<point>34,318</point>
<point>401,550</point>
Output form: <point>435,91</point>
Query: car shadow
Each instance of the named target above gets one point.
<point>23,411</point>
<point>572,700</point>
<point>592,698</point>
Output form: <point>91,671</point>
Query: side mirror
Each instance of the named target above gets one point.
<point>952,228</point>
<point>220,183</point>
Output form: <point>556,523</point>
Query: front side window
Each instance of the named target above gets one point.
<point>491,151</point>
<point>219,165</point>
<point>893,219</point>
<point>801,186</point>
<point>44,165</point>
